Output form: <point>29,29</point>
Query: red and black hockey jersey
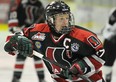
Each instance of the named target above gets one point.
<point>80,45</point>
<point>24,13</point>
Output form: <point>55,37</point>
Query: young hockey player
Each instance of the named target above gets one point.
<point>23,14</point>
<point>109,34</point>
<point>61,41</point>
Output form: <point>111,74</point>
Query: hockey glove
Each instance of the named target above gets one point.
<point>20,43</point>
<point>11,45</point>
<point>77,68</point>
<point>25,46</point>
<point>65,74</point>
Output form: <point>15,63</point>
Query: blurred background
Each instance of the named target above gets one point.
<point>91,14</point>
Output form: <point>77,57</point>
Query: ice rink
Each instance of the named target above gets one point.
<point>29,75</point>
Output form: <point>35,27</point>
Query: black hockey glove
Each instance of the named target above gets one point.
<point>72,72</point>
<point>65,74</point>
<point>25,46</point>
<point>20,43</point>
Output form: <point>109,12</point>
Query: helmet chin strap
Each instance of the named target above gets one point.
<point>65,30</point>
<point>55,33</point>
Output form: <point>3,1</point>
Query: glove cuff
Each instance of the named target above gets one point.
<point>77,66</point>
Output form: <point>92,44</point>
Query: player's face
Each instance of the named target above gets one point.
<point>61,20</point>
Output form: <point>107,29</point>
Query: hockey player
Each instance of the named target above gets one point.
<point>23,14</point>
<point>63,42</point>
<point>109,34</point>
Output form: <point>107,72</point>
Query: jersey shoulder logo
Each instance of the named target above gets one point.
<point>39,36</point>
<point>94,42</point>
<point>75,47</point>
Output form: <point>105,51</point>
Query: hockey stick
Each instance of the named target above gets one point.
<point>60,65</point>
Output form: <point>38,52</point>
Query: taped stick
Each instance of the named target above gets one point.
<point>60,65</point>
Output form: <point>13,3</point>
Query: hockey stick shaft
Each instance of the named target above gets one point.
<point>60,65</point>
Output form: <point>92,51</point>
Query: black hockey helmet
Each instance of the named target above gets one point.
<point>54,8</point>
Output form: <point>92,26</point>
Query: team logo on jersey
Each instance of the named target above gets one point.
<point>39,36</point>
<point>75,47</point>
<point>94,42</point>
<point>38,44</point>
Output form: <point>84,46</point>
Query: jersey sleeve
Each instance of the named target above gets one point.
<point>94,62</point>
